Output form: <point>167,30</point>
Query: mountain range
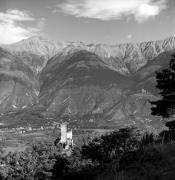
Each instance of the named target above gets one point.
<point>94,85</point>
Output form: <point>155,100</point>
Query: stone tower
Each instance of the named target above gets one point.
<point>63,133</point>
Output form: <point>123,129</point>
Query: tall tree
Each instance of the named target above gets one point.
<point>165,107</point>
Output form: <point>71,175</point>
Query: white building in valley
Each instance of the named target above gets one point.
<point>66,137</point>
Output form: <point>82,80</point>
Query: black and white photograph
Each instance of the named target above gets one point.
<point>87,89</point>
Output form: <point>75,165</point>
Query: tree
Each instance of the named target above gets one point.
<point>60,167</point>
<point>114,145</point>
<point>165,107</point>
<point>36,163</point>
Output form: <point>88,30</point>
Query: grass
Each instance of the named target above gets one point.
<point>12,142</point>
<point>157,162</point>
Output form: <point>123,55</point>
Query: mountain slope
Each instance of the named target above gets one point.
<point>124,58</point>
<point>81,69</point>
<point>81,85</point>
<point>18,85</point>
<point>94,85</point>
<point>135,55</point>
<point>146,76</point>
<point>35,51</point>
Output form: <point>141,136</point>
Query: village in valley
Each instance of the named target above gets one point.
<point>20,138</point>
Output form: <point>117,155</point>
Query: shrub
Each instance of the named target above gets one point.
<point>151,155</point>
<point>114,145</point>
<point>60,167</point>
<point>167,136</point>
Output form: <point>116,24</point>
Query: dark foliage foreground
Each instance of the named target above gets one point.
<point>165,107</point>
<point>120,155</point>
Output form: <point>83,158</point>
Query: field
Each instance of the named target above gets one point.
<point>17,141</point>
<point>12,141</point>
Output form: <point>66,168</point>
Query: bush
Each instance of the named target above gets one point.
<point>108,147</point>
<point>34,164</point>
<point>151,155</point>
<point>128,159</point>
<point>167,136</point>
<point>122,154</point>
<point>147,139</point>
<point>60,167</point>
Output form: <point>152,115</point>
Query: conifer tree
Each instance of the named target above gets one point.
<point>165,107</point>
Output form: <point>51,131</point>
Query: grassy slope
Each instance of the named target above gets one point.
<point>156,163</point>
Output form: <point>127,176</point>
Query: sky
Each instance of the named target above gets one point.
<point>89,21</point>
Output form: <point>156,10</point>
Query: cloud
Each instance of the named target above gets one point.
<point>12,28</point>
<point>129,36</point>
<point>41,23</point>
<point>141,10</point>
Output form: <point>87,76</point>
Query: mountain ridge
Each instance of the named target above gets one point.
<point>125,58</point>
<point>111,84</point>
